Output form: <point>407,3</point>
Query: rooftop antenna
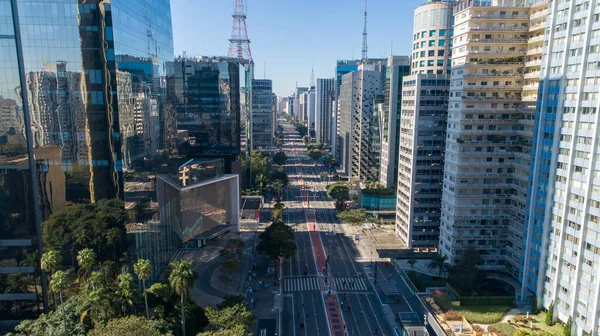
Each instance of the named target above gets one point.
<point>392,49</point>
<point>364,42</point>
<point>239,43</point>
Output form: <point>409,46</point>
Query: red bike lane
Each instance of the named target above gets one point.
<point>332,306</point>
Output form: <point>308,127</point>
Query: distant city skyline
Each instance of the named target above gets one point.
<point>290,37</point>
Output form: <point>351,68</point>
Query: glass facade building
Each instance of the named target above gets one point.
<point>204,95</point>
<point>262,114</point>
<point>80,90</point>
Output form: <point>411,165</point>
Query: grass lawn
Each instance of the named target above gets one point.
<point>474,314</point>
<point>540,328</point>
<point>503,329</point>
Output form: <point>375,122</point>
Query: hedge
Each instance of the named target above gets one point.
<point>486,300</point>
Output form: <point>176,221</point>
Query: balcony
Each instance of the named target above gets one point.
<point>533,63</point>
<point>498,98</point>
<point>496,52</point>
<point>493,87</point>
<point>533,86</point>
<point>500,17</point>
<point>534,51</point>
<point>498,28</point>
<point>538,14</point>
<point>538,26</point>
<point>530,98</point>
<point>507,40</point>
<point>538,38</point>
<point>533,74</point>
<point>494,75</point>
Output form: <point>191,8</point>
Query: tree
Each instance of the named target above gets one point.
<point>465,274</point>
<point>230,317</point>
<point>550,315</point>
<point>277,212</point>
<point>315,154</point>
<point>181,279</point>
<point>54,322</point>
<point>99,226</point>
<point>306,140</point>
<point>302,130</point>
<point>277,241</point>
<point>143,270</point>
<point>230,301</point>
<point>439,262</point>
<point>354,217</point>
<point>50,261</point>
<point>521,332</point>
<point>125,292</point>
<point>130,326</point>
<point>58,284</point>
<point>280,176</point>
<point>279,158</point>
<point>412,262</point>
<point>236,331</point>
<point>568,326</point>
<point>340,193</point>
<point>86,258</point>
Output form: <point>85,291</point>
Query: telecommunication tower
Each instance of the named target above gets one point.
<point>239,43</point>
<point>364,42</point>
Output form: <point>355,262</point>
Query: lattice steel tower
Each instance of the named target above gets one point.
<point>239,43</point>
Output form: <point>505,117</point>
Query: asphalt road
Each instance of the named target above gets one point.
<point>345,286</point>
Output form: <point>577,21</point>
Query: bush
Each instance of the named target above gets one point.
<point>451,315</point>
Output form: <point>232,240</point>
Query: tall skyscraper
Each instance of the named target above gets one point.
<point>311,110</point>
<point>359,157</point>
<point>562,246</point>
<point>488,140</point>
<point>81,81</point>
<point>422,127</point>
<point>299,109</point>
<point>324,95</point>
<point>262,114</point>
<point>204,94</point>
<point>387,118</point>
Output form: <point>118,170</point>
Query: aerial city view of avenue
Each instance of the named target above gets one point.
<point>287,168</point>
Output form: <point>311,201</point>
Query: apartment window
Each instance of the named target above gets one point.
<point>432,33</point>
<point>441,52</point>
<point>431,53</point>
<point>441,43</point>
<point>442,32</point>
<point>432,43</point>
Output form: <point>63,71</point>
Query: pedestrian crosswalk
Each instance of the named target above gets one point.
<point>301,284</point>
<point>340,284</point>
<point>349,284</point>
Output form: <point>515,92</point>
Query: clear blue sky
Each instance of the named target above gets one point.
<point>291,35</point>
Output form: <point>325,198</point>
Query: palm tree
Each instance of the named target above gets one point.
<point>86,258</point>
<point>58,283</point>
<point>143,269</point>
<point>181,280</point>
<point>124,284</point>
<point>439,262</point>
<point>49,263</point>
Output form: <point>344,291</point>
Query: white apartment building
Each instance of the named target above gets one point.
<point>489,134</point>
<point>562,259</point>
<point>388,118</point>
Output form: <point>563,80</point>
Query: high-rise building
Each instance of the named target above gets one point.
<point>424,110</point>
<point>324,95</point>
<point>262,114</point>
<point>310,111</point>
<point>204,94</point>
<point>359,157</point>
<point>343,67</point>
<point>387,118</point>
<point>432,37</point>
<point>81,96</point>
<point>562,246</point>
<point>299,110</point>
<point>489,133</point>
